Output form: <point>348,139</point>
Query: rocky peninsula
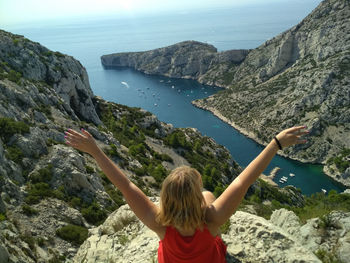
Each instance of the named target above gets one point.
<point>300,77</point>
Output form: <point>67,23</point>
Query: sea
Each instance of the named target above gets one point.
<point>230,27</point>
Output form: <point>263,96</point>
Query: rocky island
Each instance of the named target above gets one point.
<point>300,77</point>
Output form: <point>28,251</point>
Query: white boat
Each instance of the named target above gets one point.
<point>282,181</point>
<point>172,87</point>
<point>291,175</point>
<point>125,84</point>
<point>324,191</point>
<point>155,104</point>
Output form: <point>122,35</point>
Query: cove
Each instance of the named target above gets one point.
<point>170,100</point>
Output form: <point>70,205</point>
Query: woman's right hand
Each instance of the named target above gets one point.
<point>292,136</point>
<point>83,141</point>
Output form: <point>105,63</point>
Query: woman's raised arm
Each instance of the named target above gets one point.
<point>225,205</point>
<point>144,208</point>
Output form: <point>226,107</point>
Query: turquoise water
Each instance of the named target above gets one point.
<point>170,99</point>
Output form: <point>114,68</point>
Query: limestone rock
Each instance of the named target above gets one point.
<point>32,144</point>
<point>66,75</point>
<point>188,59</point>
<point>261,241</point>
<point>4,256</point>
<point>123,238</point>
<point>286,220</point>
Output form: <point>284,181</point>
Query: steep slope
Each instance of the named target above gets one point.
<point>300,77</point>
<point>50,193</point>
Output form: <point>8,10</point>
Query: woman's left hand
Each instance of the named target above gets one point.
<point>83,141</point>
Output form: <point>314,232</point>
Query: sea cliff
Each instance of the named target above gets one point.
<point>300,77</point>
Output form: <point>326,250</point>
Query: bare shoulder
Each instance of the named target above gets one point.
<point>160,231</point>
<point>213,228</point>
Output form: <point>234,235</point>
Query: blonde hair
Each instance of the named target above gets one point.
<point>182,204</point>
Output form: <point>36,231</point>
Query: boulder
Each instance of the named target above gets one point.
<point>4,255</point>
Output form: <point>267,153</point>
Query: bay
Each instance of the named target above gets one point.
<point>242,27</point>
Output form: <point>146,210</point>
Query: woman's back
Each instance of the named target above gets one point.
<point>201,247</point>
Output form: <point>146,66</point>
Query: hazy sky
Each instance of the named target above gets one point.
<point>22,11</point>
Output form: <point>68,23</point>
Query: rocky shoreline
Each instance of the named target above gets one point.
<point>337,176</point>
<point>243,131</point>
<point>299,77</point>
<point>343,179</point>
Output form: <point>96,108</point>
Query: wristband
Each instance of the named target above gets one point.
<point>278,143</point>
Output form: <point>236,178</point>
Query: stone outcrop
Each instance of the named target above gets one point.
<point>123,238</point>
<point>188,59</point>
<point>300,77</point>
<point>67,77</point>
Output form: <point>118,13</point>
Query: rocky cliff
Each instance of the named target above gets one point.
<point>188,59</point>
<point>50,193</point>
<point>300,77</point>
<point>249,238</point>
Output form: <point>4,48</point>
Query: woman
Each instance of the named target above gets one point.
<point>187,221</point>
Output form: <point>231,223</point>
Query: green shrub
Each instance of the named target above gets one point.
<point>15,154</point>
<point>326,257</point>
<point>75,202</point>
<point>29,211</point>
<point>89,169</point>
<point>14,76</point>
<point>40,241</point>
<point>138,149</point>
<point>51,142</point>
<point>2,217</point>
<point>158,173</point>
<point>15,41</point>
<point>177,139</point>
<point>123,239</point>
<point>340,160</point>
<point>113,152</point>
<point>37,192</point>
<point>319,205</point>
<point>28,238</point>
<point>9,127</point>
<point>325,222</point>
<point>42,175</point>
<point>94,214</point>
<point>73,233</point>
<point>163,157</point>
<point>58,54</point>
<point>225,227</point>
<point>218,190</point>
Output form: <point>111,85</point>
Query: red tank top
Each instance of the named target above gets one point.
<point>202,247</point>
